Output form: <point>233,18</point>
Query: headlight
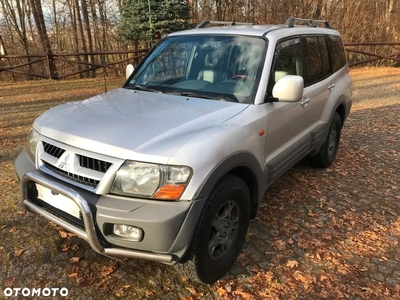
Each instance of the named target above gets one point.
<point>32,142</point>
<point>151,180</point>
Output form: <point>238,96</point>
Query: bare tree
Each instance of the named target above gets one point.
<point>37,13</point>
<point>86,21</point>
<point>85,26</point>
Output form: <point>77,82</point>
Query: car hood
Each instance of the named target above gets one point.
<point>123,123</point>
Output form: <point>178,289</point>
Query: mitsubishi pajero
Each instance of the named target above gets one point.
<point>172,166</point>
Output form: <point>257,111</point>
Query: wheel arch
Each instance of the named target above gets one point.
<point>341,110</point>
<point>246,167</point>
<point>343,107</point>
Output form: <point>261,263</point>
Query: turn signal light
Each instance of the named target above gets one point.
<point>169,192</point>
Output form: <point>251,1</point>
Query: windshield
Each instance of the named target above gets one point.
<point>223,68</point>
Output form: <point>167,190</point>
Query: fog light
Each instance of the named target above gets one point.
<point>127,231</point>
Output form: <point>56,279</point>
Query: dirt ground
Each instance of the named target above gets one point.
<point>320,233</point>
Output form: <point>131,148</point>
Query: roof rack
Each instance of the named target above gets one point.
<point>206,22</point>
<point>312,23</point>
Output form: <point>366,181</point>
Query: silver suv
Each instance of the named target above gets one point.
<point>172,166</point>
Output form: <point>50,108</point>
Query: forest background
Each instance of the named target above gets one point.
<point>90,27</point>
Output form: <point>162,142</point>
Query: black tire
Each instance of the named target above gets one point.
<point>220,232</point>
<point>327,153</point>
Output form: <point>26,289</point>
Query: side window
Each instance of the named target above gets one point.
<point>337,53</point>
<point>326,66</point>
<point>313,59</point>
<point>288,60</point>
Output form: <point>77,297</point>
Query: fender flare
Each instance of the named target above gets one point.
<point>233,163</point>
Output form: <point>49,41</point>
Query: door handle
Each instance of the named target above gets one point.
<point>331,86</point>
<point>304,102</point>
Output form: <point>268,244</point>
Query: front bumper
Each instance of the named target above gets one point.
<point>167,226</point>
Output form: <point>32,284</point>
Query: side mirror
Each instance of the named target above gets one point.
<point>289,88</point>
<point>129,70</point>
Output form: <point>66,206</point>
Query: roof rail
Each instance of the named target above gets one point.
<point>312,23</point>
<point>206,22</point>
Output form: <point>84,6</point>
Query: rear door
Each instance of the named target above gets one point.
<point>318,85</point>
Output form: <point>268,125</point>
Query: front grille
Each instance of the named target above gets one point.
<point>94,164</point>
<point>74,177</point>
<point>53,150</point>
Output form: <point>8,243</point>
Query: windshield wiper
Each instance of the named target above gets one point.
<point>198,95</point>
<point>144,88</point>
<point>195,95</point>
<point>219,97</point>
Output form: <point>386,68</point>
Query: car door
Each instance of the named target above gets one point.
<point>317,72</point>
<point>287,138</point>
<point>319,84</point>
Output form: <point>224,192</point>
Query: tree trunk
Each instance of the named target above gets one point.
<point>15,17</point>
<point>75,40</point>
<point>95,21</point>
<point>80,30</point>
<point>317,10</point>
<point>56,26</point>
<point>85,15</point>
<point>37,13</point>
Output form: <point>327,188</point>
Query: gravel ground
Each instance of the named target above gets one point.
<point>320,233</point>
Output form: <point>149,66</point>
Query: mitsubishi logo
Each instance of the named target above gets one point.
<point>64,164</point>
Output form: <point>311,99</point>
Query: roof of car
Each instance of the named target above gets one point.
<point>253,30</point>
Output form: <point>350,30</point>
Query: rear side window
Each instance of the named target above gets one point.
<point>326,67</point>
<point>316,58</point>
<point>337,53</point>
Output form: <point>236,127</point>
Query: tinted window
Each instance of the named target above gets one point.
<point>326,68</point>
<point>313,59</point>
<point>337,53</point>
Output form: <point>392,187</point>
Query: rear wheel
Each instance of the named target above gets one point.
<point>220,232</point>
<point>327,153</point>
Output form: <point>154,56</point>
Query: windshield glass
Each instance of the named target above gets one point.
<point>212,67</point>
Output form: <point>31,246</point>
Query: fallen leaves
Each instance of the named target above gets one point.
<point>13,230</point>
<point>324,278</point>
<point>67,247</point>
<point>121,292</point>
<point>244,295</point>
<point>18,252</point>
<point>65,234</point>
<point>191,290</point>
<point>305,279</point>
<point>75,259</point>
<point>222,292</point>
<point>281,245</point>
<point>107,270</point>
<point>292,263</point>
<point>73,275</point>
<point>320,233</point>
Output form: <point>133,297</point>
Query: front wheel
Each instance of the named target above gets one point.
<point>327,153</point>
<point>220,232</point>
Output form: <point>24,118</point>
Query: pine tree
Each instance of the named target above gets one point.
<point>166,16</point>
